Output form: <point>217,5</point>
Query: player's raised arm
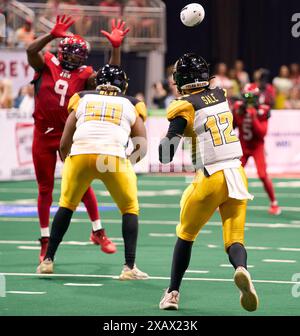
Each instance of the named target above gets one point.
<point>118,32</point>
<point>34,55</point>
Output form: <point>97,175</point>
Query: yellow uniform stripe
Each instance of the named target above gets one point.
<point>73,103</point>
<point>141,110</point>
<point>181,108</point>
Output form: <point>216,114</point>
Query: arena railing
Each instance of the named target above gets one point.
<point>147,23</point>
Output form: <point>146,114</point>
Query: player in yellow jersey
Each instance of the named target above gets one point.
<point>93,146</point>
<point>203,114</point>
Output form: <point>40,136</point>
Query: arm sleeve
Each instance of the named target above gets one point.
<point>168,145</point>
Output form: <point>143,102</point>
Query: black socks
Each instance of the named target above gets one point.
<point>130,233</point>
<point>60,226</point>
<point>181,259</point>
<point>237,255</point>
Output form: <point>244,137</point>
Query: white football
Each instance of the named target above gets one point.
<point>192,15</point>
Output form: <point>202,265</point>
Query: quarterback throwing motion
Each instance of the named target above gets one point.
<point>203,115</point>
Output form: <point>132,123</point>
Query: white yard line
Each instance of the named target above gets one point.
<point>197,272</point>
<point>168,235</point>
<point>230,266</point>
<point>279,261</point>
<point>289,249</point>
<point>33,242</point>
<point>25,293</point>
<point>29,248</point>
<point>83,285</point>
<point>154,222</point>
<point>163,206</point>
<point>150,278</point>
<point>258,248</point>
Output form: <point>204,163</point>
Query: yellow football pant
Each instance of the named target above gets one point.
<point>116,173</point>
<point>201,199</point>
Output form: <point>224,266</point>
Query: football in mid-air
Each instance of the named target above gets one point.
<point>192,15</point>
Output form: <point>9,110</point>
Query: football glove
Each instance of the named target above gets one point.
<point>117,34</point>
<point>63,23</point>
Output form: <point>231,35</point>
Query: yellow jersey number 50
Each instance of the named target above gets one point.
<point>103,111</point>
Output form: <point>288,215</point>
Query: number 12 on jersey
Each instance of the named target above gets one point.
<point>214,126</point>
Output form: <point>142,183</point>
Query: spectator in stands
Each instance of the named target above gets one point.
<point>20,96</point>
<point>27,104</point>
<point>140,24</point>
<point>283,84</point>
<point>111,3</point>
<point>25,34</point>
<point>293,99</point>
<point>82,22</point>
<point>267,92</point>
<point>160,93</point>
<point>172,90</point>
<point>9,39</point>
<point>221,79</point>
<point>52,9</point>
<point>107,16</point>
<point>241,74</point>
<point>295,73</point>
<point>140,96</point>
<point>6,93</point>
<point>235,89</point>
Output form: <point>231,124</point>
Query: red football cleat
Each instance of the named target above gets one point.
<point>99,238</point>
<point>274,210</point>
<point>44,241</point>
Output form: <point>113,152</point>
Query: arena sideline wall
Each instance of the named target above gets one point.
<point>16,131</point>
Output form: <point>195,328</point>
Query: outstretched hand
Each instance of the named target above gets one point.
<point>63,23</point>
<point>117,34</point>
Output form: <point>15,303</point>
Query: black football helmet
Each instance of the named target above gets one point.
<point>191,72</point>
<point>112,77</point>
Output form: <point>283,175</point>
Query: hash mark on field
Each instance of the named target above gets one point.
<point>162,235</point>
<point>289,249</point>
<point>25,293</point>
<point>170,235</point>
<point>258,248</point>
<point>279,261</point>
<point>230,266</point>
<point>29,247</point>
<point>82,285</point>
<point>197,272</point>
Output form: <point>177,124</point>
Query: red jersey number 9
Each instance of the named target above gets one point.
<point>61,88</point>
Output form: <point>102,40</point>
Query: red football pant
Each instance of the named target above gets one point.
<point>44,153</point>
<point>259,157</point>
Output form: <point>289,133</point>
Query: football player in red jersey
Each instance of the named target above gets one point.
<point>251,118</point>
<point>56,80</point>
